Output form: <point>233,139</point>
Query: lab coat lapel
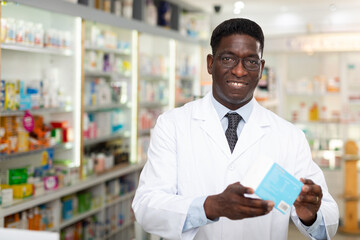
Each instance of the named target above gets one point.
<point>253,130</point>
<point>206,112</point>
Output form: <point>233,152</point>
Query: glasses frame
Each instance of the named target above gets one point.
<point>259,60</point>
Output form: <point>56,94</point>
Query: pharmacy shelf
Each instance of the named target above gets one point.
<point>119,229</point>
<point>322,122</point>
<point>153,104</point>
<point>311,94</point>
<point>106,74</point>
<point>154,78</point>
<point>107,107</point>
<point>186,78</point>
<point>108,50</point>
<point>58,147</point>
<point>37,111</point>
<point>91,14</point>
<point>79,217</point>
<point>88,142</point>
<point>120,199</point>
<point>33,49</point>
<point>354,102</point>
<point>144,132</point>
<point>84,215</point>
<point>269,103</point>
<point>21,205</point>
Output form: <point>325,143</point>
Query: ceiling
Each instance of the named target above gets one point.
<point>273,5</point>
<point>279,17</point>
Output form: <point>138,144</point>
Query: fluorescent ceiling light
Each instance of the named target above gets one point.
<point>237,11</point>
<point>239,5</point>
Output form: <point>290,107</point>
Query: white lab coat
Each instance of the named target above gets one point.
<point>189,157</point>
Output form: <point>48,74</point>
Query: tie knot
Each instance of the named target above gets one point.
<point>233,119</point>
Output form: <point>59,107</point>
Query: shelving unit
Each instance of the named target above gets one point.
<point>156,81</point>
<point>74,74</point>
<point>131,171</point>
<point>108,101</point>
<point>187,83</point>
<point>316,68</point>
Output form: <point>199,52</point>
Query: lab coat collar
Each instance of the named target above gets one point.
<point>253,130</point>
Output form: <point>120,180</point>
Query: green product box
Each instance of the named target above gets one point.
<point>84,201</point>
<point>17,176</point>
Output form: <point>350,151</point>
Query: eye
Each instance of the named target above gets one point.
<point>251,61</point>
<point>228,59</point>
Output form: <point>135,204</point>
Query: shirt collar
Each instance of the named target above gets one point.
<point>244,111</point>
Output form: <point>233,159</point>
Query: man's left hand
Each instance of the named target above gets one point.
<point>308,202</point>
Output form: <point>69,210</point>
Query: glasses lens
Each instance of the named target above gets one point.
<point>251,64</point>
<point>229,61</point>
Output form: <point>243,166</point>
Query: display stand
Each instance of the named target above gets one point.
<point>351,196</point>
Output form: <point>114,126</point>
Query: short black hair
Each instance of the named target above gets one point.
<point>236,26</point>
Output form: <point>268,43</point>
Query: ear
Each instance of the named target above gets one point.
<point>210,61</point>
<point>262,67</point>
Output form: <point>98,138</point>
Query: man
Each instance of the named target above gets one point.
<point>190,187</point>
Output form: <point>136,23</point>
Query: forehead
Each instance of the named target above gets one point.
<point>239,42</point>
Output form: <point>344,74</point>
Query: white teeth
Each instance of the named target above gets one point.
<point>237,84</point>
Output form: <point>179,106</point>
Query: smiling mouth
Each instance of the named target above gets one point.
<point>237,84</point>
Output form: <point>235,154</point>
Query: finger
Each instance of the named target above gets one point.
<point>312,189</point>
<point>313,199</point>
<point>306,181</point>
<point>248,211</point>
<point>240,189</point>
<point>259,203</point>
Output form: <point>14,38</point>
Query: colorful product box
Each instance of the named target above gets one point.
<point>17,176</point>
<point>2,95</point>
<point>10,96</point>
<point>51,183</point>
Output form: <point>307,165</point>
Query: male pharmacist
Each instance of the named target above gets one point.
<point>199,154</point>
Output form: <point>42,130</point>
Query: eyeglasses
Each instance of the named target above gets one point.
<point>249,63</point>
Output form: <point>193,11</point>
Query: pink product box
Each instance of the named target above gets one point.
<point>51,182</point>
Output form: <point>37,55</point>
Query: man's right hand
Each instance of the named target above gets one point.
<point>232,203</point>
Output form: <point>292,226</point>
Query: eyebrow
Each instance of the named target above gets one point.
<point>231,53</point>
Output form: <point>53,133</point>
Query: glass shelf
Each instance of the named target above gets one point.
<point>33,49</point>
<point>311,94</point>
<point>107,107</point>
<point>80,217</point>
<point>36,111</point>
<point>62,146</point>
<point>109,50</point>
<point>105,74</point>
<point>152,105</point>
<point>88,142</point>
<point>153,78</point>
<point>186,78</point>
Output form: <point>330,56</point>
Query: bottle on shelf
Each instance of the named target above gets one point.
<point>24,221</point>
<point>127,8</point>
<point>314,112</point>
<point>151,13</point>
<point>117,7</point>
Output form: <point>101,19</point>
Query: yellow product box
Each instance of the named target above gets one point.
<point>10,96</point>
<point>21,190</point>
<point>23,141</point>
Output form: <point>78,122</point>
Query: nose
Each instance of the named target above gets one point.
<point>239,70</point>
